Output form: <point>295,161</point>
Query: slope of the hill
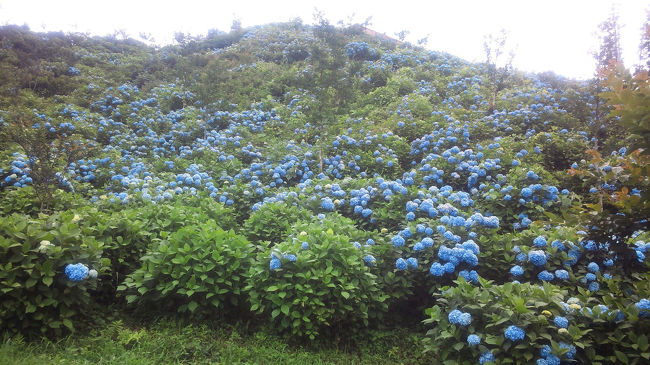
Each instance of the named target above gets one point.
<point>317,179</point>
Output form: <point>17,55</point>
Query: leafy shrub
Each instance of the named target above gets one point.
<point>492,310</point>
<point>615,329</point>
<point>325,285</point>
<point>272,222</point>
<point>25,201</point>
<point>37,298</point>
<point>125,236</point>
<point>199,270</point>
<point>561,150</point>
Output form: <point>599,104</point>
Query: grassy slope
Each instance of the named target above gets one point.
<point>177,343</point>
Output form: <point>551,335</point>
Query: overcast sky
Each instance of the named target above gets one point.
<point>548,34</point>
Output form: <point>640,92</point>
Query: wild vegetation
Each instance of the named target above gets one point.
<point>303,193</point>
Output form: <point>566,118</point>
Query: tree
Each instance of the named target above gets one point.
<point>609,50</point>
<point>48,150</point>
<point>608,57</point>
<point>644,45</point>
<point>498,68</point>
<point>330,87</point>
<point>629,99</point>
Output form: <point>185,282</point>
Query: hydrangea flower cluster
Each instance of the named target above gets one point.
<point>460,318</point>
<point>473,340</point>
<point>76,272</point>
<point>514,333</point>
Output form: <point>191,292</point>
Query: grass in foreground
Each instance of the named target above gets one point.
<point>171,342</point>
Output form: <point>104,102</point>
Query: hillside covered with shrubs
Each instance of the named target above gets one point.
<point>321,183</point>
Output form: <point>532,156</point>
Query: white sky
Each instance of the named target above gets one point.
<point>556,35</point>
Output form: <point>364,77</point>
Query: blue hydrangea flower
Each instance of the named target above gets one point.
<point>454,316</point>
<point>449,267</point>
<point>552,360</point>
<point>411,206</point>
<point>594,286</point>
<point>486,357</point>
<point>561,322</point>
<point>369,260</point>
<point>304,246</point>
<point>593,267</point>
<point>545,276</point>
<point>401,264</point>
<point>327,204</point>
<point>644,307</point>
<point>514,333</point>
<point>290,257</point>
<point>539,241</point>
<point>398,241</point>
<point>590,277</point>
<point>275,263</point>
<point>537,257</point>
<point>517,270</point>
<point>465,319</point>
<point>558,245</point>
<point>473,340</point>
<point>469,276</point>
<point>412,263</point>
<point>437,269</point>
<point>562,274</point>
<point>572,350</point>
<point>76,272</point>
<point>460,318</point>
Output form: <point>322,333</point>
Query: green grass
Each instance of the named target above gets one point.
<point>171,342</point>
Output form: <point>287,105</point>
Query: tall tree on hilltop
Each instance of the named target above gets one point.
<point>498,68</point>
<point>608,57</point>
<point>330,87</point>
<point>609,51</point>
<point>644,45</point>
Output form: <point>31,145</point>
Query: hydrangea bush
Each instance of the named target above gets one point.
<point>48,275</point>
<point>325,286</point>
<point>197,270</point>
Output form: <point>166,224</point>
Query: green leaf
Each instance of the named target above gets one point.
<point>68,323</point>
<point>345,294</point>
<point>285,309</point>
<point>48,280</point>
<point>621,356</point>
<point>642,341</point>
<point>272,288</point>
<point>192,306</point>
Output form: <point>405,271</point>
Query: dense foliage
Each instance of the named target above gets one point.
<point>322,181</point>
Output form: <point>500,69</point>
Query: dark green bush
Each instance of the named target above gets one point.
<point>198,270</point>
<point>272,222</point>
<point>37,297</point>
